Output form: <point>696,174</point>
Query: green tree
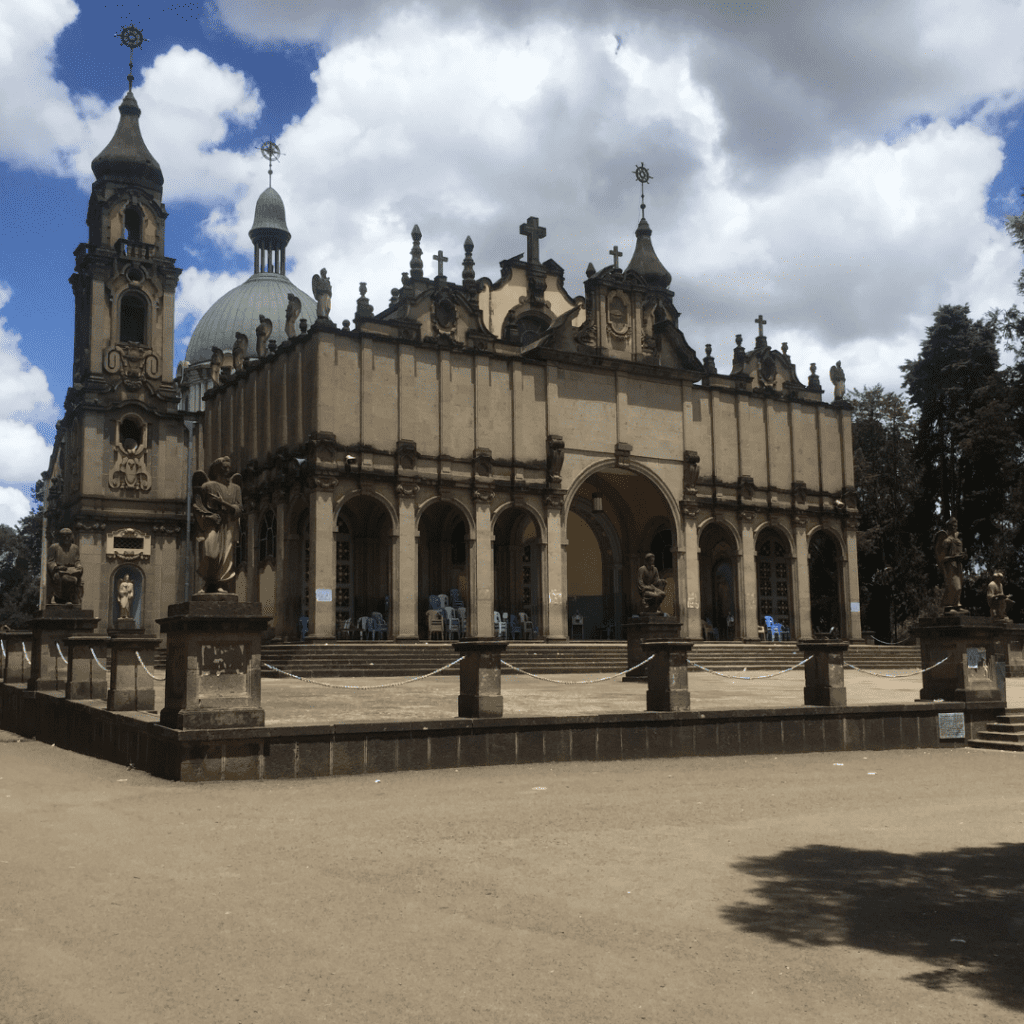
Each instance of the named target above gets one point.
<point>20,559</point>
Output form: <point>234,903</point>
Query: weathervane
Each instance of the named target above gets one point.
<point>131,37</point>
<point>643,176</point>
<point>271,151</point>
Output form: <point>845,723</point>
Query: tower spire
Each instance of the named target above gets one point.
<point>131,37</point>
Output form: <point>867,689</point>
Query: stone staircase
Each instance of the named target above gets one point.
<point>1005,733</point>
<point>352,658</point>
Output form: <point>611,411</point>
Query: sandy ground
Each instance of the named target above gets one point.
<point>878,887</point>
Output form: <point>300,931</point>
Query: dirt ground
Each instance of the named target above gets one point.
<point>848,888</point>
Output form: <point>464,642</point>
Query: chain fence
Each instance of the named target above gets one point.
<point>351,686</point>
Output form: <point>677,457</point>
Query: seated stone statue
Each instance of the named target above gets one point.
<point>651,585</point>
<point>64,570</point>
<point>997,599</point>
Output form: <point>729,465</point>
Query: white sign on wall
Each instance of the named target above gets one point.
<point>855,606</point>
<point>325,595</point>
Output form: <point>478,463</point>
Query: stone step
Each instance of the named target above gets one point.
<point>982,742</point>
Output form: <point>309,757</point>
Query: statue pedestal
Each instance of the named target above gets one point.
<point>51,630</point>
<point>16,655</point>
<point>668,687</point>
<point>213,663</point>
<point>131,685</point>
<point>480,677</point>
<point>969,647</point>
<point>86,673</point>
<point>824,674</point>
<point>647,627</point>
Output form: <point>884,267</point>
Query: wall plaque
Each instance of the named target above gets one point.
<point>951,725</point>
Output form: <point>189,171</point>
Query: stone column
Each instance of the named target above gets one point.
<point>824,679</point>
<point>480,677</point>
<point>691,575</point>
<point>405,600</point>
<point>554,576</point>
<point>131,684</point>
<point>51,630</point>
<point>852,595</point>
<point>667,683</point>
<point>87,673</point>
<point>213,664</point>
<point>646,629</point>
<point>17,656</point>
<point>481,611</point>
<point>322,564</point>
<point>802,582</point>
<point>748,578</point>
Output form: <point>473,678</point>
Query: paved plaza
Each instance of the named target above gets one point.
<point>865,887</point>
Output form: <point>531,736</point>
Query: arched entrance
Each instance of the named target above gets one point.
<point>517,564</point>
<point>824,571</point>
<point>616,517</point>
<point>362,561</point>
<point>773,582</point>
<point>717,563</point>
<point>443,556</point>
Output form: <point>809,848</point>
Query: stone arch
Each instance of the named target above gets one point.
<point>133,317</point>
<point>444,538</point>
<point>364,541</point>
<point>517,550</point>
<point>718,564</point>
<point>641,470</point>
<point>773,561</point>
<point>825,581</point>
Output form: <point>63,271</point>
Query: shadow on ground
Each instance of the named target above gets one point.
<point>959,912</point>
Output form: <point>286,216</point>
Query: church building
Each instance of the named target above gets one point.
<point>499,437</point>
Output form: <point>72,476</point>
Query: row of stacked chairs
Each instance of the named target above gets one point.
<point>367,627</point>
<point>447,616</point>
<point>514,627</point>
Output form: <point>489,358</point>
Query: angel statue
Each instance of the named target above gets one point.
<point>838,377</point>
<point>322,294</point>
<point>291,314</point>
<point>217,504</point>
<point>216,365</point>
<point>240,351</point>
<point>949,553</point>
<point>262,334</point>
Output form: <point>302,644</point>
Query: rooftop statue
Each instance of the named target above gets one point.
<point>291,314</point>
<point>217,504</point>
<point>838,377</point>
<point>263,335</point>
<point>651,585</point>
<point>240,350</point>
<point>949,553</point>
<point>322,294</point>
<point>64,570</point>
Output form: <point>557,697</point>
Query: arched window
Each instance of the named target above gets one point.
<point>133,319</point>
<point>527,329</point>
<point>130,433</point>
<point>268,537</point>
<point>133,223</point>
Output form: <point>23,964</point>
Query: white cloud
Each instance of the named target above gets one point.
<point>14,506</point>
<point>197,292</point>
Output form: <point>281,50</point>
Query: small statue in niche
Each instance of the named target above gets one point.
<point>997,599</point>
<point>556,458</point>
<point>125,596</point>
<point>216,365</point>
<point>217,504</point>
<point>949,553</point>
<point>263,335</point>
<point>240,351</point>
<point>838,377</point>
<point>651,585</point>
<point>64,570</point>
<point>322,294</point>
<point>291,314</point>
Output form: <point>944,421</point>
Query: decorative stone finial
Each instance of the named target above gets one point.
<point>468,273</point>
<point>416,263</point>
<point>364,311</point>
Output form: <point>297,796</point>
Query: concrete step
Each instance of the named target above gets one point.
<point>981,742</point>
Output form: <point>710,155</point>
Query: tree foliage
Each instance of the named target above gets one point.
<point>20,560</point>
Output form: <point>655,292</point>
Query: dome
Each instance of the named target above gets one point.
<point>240,310</point>
<point>269,224</point>
<point>645,260</point>
<point>126,157</point>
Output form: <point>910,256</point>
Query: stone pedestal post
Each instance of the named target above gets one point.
<point>480,677</point>
<point>51,630</point>
<point>824,674</point>
<point>667,683</point>
<point>16,655</point>
<point>963,650</point>
<point>646,627</point>
<point>87,675</point>
<point>213,663</point>
<point>131,685</point>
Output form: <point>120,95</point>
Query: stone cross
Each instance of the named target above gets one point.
<point>441,260</point>
<point>760,321</point>
<point>534,233</point>
<point>615,254</point>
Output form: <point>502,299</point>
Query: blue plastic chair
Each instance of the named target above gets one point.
<point>775,630</point>
<point>515,628</point>
<point>378,627</point>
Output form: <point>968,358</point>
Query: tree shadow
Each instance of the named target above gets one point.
<point>959,912</point>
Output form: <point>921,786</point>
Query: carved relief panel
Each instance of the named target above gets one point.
<point>130,471</point>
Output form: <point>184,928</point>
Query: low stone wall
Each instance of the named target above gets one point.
<point>137,739</point>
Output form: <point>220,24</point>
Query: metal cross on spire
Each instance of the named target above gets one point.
<point>131,37</point>
<point>271,151</point>
<point>643,176</point>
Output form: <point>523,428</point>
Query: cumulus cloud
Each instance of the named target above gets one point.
<point>197,292</point>
<point>14,506</point>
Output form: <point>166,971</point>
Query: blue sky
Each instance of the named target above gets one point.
<point>842,170</point>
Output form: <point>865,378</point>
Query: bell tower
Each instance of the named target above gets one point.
<point>117,474</point>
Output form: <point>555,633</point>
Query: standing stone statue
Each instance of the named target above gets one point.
<point>64,570</point>
<point>949,553</point>
<point>216,365</point>
<point>997,599</point>
<point>217,504</point>
<point>262,335</point>
<point>125,596</point>
<point>838,377</point>
<point>240,351</point>
<point>322,294</point>
<point>291,314</point>
<point>651,585</point>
